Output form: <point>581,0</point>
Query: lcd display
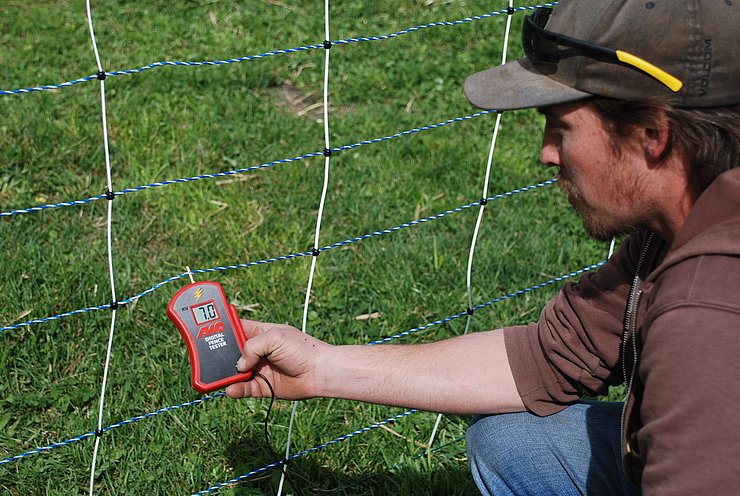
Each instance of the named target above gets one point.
<point>205,312</point>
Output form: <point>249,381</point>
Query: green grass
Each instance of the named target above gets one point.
<point>175,122</point>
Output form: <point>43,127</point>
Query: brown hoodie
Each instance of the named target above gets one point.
<point>681,425</point>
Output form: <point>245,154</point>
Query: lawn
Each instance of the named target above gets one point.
<point>174,122</point>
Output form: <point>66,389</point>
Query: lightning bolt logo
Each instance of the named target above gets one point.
<point>198,293</point>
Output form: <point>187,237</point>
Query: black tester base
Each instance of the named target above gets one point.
<point>212,332</point>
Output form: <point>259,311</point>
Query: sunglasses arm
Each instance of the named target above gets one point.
<point>673,83</point>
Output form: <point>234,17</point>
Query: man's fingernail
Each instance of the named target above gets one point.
<point>241,364</point>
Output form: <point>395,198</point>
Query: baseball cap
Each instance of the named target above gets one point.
<point>677,51</point>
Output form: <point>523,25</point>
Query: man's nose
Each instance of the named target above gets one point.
<point>550,152</point>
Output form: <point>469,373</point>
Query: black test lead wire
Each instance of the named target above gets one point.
<point>282,461</point>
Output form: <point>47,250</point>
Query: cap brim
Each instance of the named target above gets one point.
<point>517,85</point>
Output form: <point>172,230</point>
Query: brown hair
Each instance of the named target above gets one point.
<point>708,138</point>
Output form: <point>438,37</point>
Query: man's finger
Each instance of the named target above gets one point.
<point>239,390</point>
<point>255,348</point>
<point>252,328</point>
<point>249,358</point>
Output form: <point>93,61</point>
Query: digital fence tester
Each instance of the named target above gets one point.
<point>213,334</point>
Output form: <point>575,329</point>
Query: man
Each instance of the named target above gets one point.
<point>642,125</point>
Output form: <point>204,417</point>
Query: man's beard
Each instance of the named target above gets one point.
<point>599,228</point>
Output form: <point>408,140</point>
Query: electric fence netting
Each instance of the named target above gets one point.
<point>330,185</point>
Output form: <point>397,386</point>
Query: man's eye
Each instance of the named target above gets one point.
<point>555,127</point>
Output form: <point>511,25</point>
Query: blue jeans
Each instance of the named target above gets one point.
<point>575,451</point>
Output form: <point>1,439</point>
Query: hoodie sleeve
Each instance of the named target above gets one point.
<point>575,347</point>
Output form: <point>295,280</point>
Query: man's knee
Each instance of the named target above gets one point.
<point>565,453</point>
<point>504,435</point>
<point>500,449</point>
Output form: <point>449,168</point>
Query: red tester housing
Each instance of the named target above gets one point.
<point>212,332</point>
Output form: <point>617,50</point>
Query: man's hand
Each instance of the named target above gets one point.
<point>288,358</point>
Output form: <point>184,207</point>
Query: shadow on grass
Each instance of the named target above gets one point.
<point>412,476</point>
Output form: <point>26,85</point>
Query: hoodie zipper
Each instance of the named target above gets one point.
<point>630,329</point>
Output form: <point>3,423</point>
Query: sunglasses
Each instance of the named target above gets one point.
<point>542,45</point>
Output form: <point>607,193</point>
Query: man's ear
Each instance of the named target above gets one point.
<point>656,137</point>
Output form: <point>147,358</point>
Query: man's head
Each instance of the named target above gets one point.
<point>660,83</point>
